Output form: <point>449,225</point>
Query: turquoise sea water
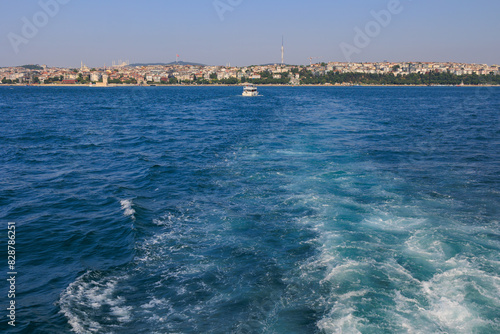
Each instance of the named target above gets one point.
<point>304,210</point>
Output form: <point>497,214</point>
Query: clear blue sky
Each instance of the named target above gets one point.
<point>99,32</point>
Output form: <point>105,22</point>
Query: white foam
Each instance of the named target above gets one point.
<point>127,207</point>
<point>342,271</point>
<point>387,223</point>
<point>122,313</point>
<point>452,314</point>
<point>347,324</point>
<point>399,274</point>
<point>86,297</point>
<point>427,245</point>
<point>451,287</point>
<point>153,303</point>
<point>443,303</point>
<point>412,316</point>
<point>446,302</point>
<point>166,220</point>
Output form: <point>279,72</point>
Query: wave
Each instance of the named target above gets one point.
<point>313,231</point>
<point>126,205</point>
<point>92,303</point>
<point>420,283</point>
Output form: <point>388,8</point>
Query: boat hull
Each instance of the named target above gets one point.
<point>250,93</point>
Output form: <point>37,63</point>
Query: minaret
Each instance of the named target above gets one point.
<point>282,51</point>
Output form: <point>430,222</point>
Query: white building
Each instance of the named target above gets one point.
<point>95,76</point>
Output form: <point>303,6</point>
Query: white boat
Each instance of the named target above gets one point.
<point>250,90</point>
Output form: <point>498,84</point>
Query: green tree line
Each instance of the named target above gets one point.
<point>309,78</point>
<point>432,78</point>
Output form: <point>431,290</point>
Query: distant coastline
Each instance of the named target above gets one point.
<point>241,85</point>
<point>320,74</point>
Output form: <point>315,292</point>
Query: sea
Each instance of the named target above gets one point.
<point>303,210</point>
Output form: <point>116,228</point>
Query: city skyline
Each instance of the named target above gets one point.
<point>325,74</point>
<point>218,32</point>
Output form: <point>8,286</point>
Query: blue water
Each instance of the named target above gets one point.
<point>304,210</point>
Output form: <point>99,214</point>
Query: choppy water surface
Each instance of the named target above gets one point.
<point>304,210</point>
